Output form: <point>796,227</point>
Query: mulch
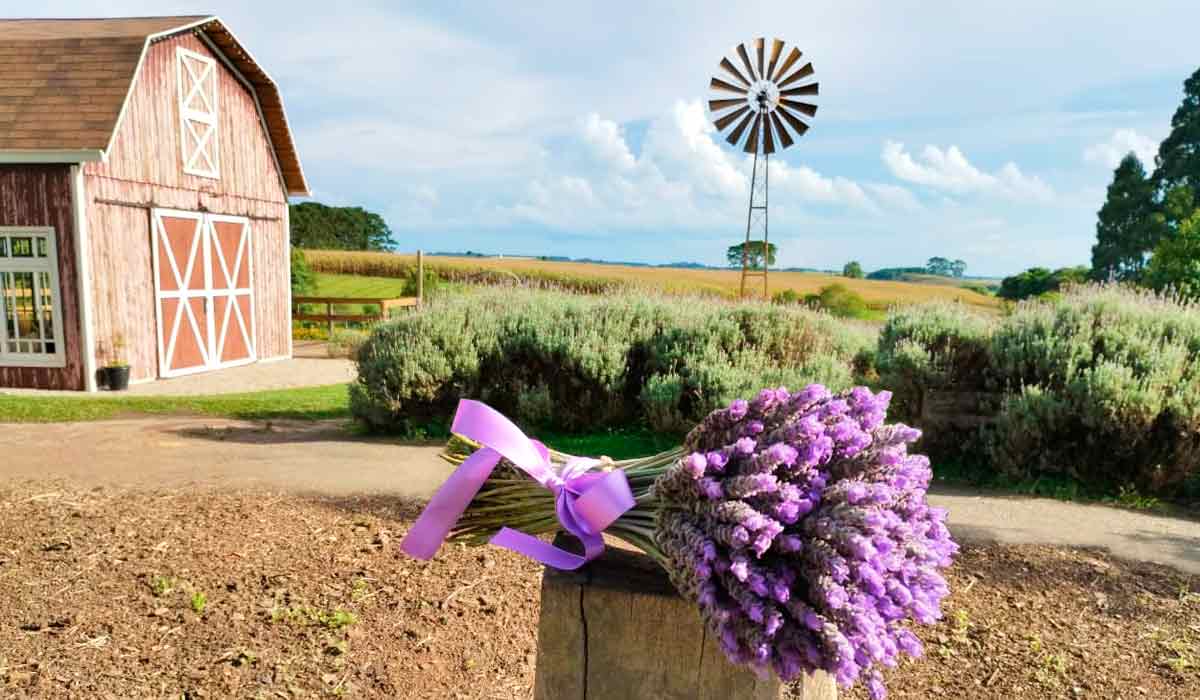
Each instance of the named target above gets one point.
<point>204,594</point>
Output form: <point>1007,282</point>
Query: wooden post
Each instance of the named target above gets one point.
<point>617,630</point>
<point>420,279</point>
<point>329,316</point>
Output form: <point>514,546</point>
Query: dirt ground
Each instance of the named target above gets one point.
<point>195,593</point>
<point>303,457</point>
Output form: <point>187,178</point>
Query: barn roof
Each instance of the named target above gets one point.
<point>64,83</point>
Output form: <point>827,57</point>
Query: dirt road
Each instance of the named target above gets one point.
<point>321,458</point>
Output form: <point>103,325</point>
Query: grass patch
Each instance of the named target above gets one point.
<point>618,443</point>
<point>308,403</point>
<point>358,286</point>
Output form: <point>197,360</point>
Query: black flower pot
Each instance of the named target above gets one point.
<point>117,378</point>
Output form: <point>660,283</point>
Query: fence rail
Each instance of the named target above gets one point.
<point>330,317</point>
<point>385,305</point>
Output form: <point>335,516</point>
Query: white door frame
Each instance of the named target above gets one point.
<point>211,349</point>
<point>229,272</point>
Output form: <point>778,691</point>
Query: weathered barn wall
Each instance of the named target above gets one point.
<point>40,195</point>
<point>145,169</point>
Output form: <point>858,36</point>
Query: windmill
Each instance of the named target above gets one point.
<point>762,112</point>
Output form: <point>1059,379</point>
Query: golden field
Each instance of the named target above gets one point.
<point>597,278</point>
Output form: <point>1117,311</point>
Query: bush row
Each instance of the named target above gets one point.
<point>1101,384</point>
<point>574,362</point>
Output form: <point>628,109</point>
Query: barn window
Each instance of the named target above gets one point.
<point>197,78</point>
<point>30,304</point>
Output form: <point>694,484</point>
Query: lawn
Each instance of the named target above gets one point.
<point>357,286</point>
<point>308,403</point>
<point>879,294</point>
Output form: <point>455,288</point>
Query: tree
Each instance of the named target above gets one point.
<point>315,225</point>
<point>939,266</point>
<point>1038,280</point>
<point>958,268</point>
<point>1178,162</point>
<point>852,270</point>
<point>303,280</point>
<point>754,254</point>
<point>1127,229</point>
<point>1175,264</point>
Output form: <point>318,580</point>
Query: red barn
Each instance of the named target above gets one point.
<point>145,166</point>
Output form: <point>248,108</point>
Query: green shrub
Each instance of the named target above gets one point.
<point>571,362</point>
<point>839,300</point>
<point>303,280</point>
<point>1101,384</point>
<point>345,342</point>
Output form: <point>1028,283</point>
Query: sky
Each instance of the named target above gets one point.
<point>985,131</point>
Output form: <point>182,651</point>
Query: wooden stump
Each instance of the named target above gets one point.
<point>617,630</point>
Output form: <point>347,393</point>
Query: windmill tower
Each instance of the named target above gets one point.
<point>764,109</point>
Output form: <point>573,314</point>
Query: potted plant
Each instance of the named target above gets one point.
<point>116,372</point>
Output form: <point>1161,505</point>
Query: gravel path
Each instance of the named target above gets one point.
<point>320,458</point>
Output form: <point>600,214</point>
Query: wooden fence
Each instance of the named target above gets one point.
<point>385,305</point>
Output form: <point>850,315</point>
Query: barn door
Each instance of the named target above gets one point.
<point>203,267</point>
<point>182,292</point>
<point>232,295</point>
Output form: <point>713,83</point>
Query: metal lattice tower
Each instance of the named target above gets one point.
<point>763,111</point>
<point>757,224</point>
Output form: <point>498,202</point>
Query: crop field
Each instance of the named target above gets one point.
<point>599,278</point>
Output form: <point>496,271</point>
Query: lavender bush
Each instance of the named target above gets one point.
<point>796,522</point>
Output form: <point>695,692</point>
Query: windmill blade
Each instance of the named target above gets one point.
<point>752,140</point>
<point>732,70</point>
<point>776,48</point>
<point>768,139</point>
<point>804,72</point>
<point>758,46</point>
<point>810,89</point>
<point>741,49</point>
<point>793,56</point>
<point>731,117</point>
<point>784,136</point>
<point>798,126</point>
<point>718,84</point>
<point>802,107</point>
<point>736,134</point>
<point>718,105</point>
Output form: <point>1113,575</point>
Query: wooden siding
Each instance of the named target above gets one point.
<point>40,195</point>
<point>147,147</point>
<point>145,170</point>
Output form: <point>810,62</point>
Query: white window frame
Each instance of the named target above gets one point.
<point>191,85</point>
<point>35,265</point>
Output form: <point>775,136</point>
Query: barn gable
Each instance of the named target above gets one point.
<point>191,123</point>
<point>66,86</point>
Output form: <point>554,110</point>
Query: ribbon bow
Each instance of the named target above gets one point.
<point>586,501</point>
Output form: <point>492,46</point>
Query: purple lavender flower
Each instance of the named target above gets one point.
<point>798,524</point>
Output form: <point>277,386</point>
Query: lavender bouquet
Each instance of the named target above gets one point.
<point>796,522</point>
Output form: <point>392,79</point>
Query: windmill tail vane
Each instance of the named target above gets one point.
<point>761,104</point>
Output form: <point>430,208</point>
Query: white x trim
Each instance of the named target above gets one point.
<point>196,75</point>
<point>219,280</point>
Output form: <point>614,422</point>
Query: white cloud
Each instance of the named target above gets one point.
<point>949,170</point>
<point>1122,142</point>
<point>684,177</point>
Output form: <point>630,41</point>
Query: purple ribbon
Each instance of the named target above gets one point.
<point>586,501</point>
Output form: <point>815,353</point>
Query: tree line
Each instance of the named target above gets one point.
<point>1148,230</point>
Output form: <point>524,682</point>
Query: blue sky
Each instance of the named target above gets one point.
<point>985,131</point>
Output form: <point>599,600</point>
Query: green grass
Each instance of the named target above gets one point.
<point>355,286</point>
<point>308,403</point>
<point>618,443</point>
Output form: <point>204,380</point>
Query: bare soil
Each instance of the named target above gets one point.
<point>198,593</point>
